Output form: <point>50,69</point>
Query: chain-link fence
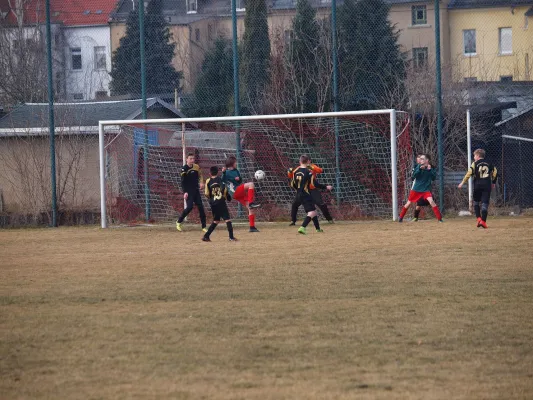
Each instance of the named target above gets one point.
<point>216,58</point>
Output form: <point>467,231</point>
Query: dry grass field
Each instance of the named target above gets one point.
<point>369,310</point>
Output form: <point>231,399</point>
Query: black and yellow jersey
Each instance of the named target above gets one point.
<point>191,178</point>
<point>302,180</point>
<point>483,172</point>
<point>216,191</point>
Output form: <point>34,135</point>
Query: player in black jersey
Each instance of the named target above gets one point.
<point>485,175</point>
<point>302,180</point>
<point>217,194</point>
<point>192,182</point>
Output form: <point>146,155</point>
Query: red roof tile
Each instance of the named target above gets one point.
<point>67,12</point>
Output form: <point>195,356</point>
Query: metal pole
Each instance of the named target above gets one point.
<point>51,121</point>
<point>101,151</point>
<point>394,165</point>
<point>143,97</point>
<point>184,154</point>
<point>236,87</point>
<point>439,105</point>
<point>469,151</point>
<point>336,98</point>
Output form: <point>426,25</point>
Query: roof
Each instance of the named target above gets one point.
<point>488,3</point>
<point>35,115</point>
<point>66,12</point>
<point>524,111</point>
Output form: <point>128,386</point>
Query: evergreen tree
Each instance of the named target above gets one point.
<point>370,61</point>
<point>255,52</point>
<point>214,87</point>
<point>161,76</point>
<point>304,56</point>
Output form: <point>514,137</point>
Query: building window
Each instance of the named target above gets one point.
<point>420,57</point>
<point>192,6</point>
<point>287,37</point>
<point>75,58</point>
<point>77,96</point>
<point>210,32</point>
<point>471,79</point>
<point>100,94</point>
<point>99,57</point>
<point>197,34</point>
<point>506,78</point>
<point>506,41</point>
<point>469,42</point>
<point>419,14</point>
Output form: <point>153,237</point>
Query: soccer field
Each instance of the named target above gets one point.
<point>366,310</point>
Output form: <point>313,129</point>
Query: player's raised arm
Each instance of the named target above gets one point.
<point>416,171</point>
<point>468,175</point>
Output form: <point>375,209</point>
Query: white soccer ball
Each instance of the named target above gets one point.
<point>260,175</point>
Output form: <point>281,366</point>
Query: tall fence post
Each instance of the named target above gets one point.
<point>143,98</point>
<point>336,98</point>
<point>51,121</point>
<point>438,82</point>
<point>394,164</point>
<point>236,87</point>
<point>469,151</point>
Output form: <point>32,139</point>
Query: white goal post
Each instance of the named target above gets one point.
<point>368,139</point>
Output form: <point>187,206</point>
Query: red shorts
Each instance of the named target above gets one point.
<point>241,195</point>
<point>415,196</point>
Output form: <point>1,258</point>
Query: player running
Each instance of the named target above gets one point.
<point>423,176</point>
<point>302,179</point>
<point>217,194</point>
<point>192,182</point>
<point>244,193</point>
<point>315,194</point>
<point>485,175</point>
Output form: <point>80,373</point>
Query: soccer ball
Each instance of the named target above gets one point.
<point>259,175</point>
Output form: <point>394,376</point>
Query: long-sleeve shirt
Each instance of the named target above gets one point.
<point>483,172</point>
<point>423,178</point>
<point>216,191</point>
<point>229,178</point>
<point>191,178</point>
<point>315,170</point>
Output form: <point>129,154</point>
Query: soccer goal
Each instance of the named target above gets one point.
<point>366,156</point>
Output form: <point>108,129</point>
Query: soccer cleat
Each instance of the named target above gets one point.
<point>302,231</point>
<point>206,239</point>
<point>400,219</point>
<point>440,221</point>
<point>254,205</point>
<point>233,239</point>
<point>178,227</point>
<point>478,222</point>
<point>483,224</point>
<point>292,224</point>
<point>204,230</point>
<point>320,230</point>
<point>415,220</point>
<point>253,229</point>
<point>330,221</point>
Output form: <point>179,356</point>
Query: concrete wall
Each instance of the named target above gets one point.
<point>25,173</point>
<point>488,64</point>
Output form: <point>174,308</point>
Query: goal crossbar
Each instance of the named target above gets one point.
<point>182,121</point>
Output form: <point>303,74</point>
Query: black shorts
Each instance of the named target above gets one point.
<point>422,203</point>
<point>317,197</point>
<point>482,194</point>
<point>220,212</point>
<point>307,201</point>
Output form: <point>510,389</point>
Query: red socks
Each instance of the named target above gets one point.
<point>437,213</point>
<point>402,213</point>
<point>252,220</point>
<point>251,195</point>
